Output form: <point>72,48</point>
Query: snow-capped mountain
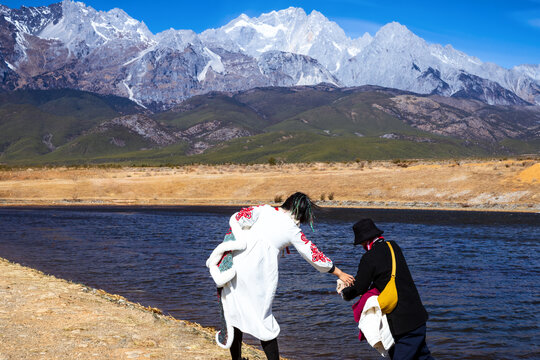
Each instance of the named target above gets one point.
<point>394,57</point>
<point>397,58</point>
<point>290,30</point>
<point>72,45</point>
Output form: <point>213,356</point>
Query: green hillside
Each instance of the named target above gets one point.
<point>316,123</point>
<point>46,97</point>
<point>350,114</point>
<point>206,108</point>
<point>304,146</point>
<point>276,104</point>
<point>109,144</point>
<point>33,123</point>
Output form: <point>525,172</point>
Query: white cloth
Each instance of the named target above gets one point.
<point>374,325</point>
<point>223,277</point>
<point>247,298</point>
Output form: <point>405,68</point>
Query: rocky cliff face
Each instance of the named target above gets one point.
<point>465,119</point>
<point>72,45</point>
<point>140,125</point>
<point>206,135</point>
<point>199,137</point>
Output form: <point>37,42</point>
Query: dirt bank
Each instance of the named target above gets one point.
<point>42,317</point>
<point>512,185</point>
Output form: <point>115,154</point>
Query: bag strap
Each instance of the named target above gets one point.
<point>393,260</point>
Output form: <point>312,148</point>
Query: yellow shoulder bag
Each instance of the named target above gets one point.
<point>388,298</point>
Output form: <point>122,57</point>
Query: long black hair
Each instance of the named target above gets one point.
<point>301,206</point>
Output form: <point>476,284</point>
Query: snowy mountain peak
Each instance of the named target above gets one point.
<point>289,30</point>
<point>316,14</point>
<point>31,20</point>
<point>292,10</point>
<point>72,45</point>
<point>284,13</point>
<point>394,32</point>
<point>177,39</point>
<point>81,23</point>
<point>533,71</point>
<point>393,28</point>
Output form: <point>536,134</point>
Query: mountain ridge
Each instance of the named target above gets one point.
<point>71,45</point>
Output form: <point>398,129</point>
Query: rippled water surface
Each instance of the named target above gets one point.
<point>477,273</point>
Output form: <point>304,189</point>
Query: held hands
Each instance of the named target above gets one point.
<point>346,279</point>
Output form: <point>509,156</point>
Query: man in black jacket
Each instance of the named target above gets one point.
<point>408,320</point>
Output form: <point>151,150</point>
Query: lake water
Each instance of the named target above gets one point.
<point>477,272</point>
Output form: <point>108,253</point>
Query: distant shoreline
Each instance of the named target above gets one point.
<point>232,206</point>
<point>491,185</point>
<point>345,214</point>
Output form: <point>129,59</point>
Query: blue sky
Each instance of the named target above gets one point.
<point>503,32</point>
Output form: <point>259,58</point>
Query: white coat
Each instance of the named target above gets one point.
<point>262,232</point>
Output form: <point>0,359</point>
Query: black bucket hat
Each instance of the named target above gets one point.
<point>364,230</point>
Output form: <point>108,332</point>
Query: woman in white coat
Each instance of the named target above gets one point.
<point>248,282</point>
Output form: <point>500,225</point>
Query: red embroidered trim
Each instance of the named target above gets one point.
<point>245,212</point>
<point>316,254</point>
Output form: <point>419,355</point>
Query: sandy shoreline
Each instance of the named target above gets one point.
<point>499,185</point>
<point>43,317</point>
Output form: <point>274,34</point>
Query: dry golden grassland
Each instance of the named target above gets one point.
<point>465,184</point>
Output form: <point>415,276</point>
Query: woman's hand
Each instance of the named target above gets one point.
<point>346,278</point>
